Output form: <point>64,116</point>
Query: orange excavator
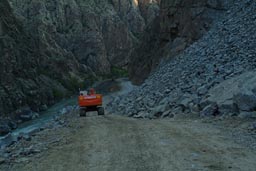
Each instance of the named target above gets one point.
<point>90,101</point>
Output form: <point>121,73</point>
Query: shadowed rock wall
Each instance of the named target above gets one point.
<point>180,23</point>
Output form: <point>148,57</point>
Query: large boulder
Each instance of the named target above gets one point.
<point>235,94</point>
<point>246,101</point>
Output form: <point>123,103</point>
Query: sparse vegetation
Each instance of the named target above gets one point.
<point>117,72</point>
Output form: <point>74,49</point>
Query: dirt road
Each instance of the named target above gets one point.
<point>115,143</point>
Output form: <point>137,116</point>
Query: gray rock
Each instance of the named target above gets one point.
<point>245,101</point>
<point>235,94</point>
<point>131,114</point>
<point>254,126</point>
<point>24,136</point>
<point>204,103</point>
<point>6,125</point>
<point>228,108</point>
<point>164,101</point>
<point>34,131</point>
<point>141,114</point>
<point>35,115</point>
<point>61,122</point>
<point>158,111</point>
<point>177,110</point>
<point>167,91</point>
<point>43,107</point>
<point>254,90</point>
<point>12,124</point>
<point>194,108</point>
<point>30,150</point>
<point>4,129</point>
<point>2,160</point>
<point>26,114</point>
<point>63,111</point>
<point>210,110</point>
<point>167,113</point>
<point>245,115</point>
<point>22,160</point>
<point>7,141</point>
<point>185,101</point>
<point>202,90</point>
<point>139,99</point>
<point>26,117</point>
<point>151,103</point>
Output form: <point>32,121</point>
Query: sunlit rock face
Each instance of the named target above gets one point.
<point>180,23</point>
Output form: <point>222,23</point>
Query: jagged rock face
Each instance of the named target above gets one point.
<point>100,34</point>
<point>62,23</point>
<point>188,18</point>
<point>180,23</point>
<point>33,72</point>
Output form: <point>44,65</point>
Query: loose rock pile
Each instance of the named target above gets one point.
<point>189,82</point>
<point>19,116</point>
<point>234,96</point>
<point>24,146</point>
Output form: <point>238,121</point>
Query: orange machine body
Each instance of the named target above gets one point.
<point>90,100</point>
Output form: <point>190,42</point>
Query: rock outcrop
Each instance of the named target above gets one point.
<point>235,95</point>
<point>179,24</point>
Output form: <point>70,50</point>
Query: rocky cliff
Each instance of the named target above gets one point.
<point>179,24</point>
<point>99,34</point>
<point>32,72</point>
<point>50,48</point>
